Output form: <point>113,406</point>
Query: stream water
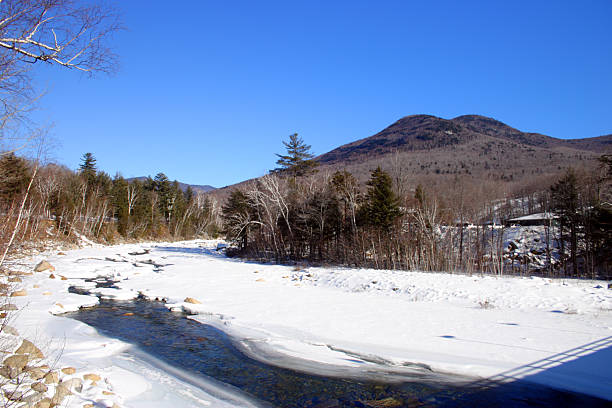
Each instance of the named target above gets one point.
<point>202,350</point>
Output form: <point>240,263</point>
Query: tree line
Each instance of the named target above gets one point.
<point>296,213</point>
<point>61,203</point>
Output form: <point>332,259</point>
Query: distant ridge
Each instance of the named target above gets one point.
<point>426,132</point>
<point>430,149</point>
<point>183,186</point>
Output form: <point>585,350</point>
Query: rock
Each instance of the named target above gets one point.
<point>63,277</point>
<point>89,406</point>
<point>59,305</point>
<point>260,280</point>
<point>43,403</point>
<point>14,279</point>
<point>39,387</point>
<point>609,285</point>
<point>61,253</point>
<point>19,273</point>
<point>9,373</point>
<point>128,314</point>
<point>52,276</point>
<point>13,395</point>
<point>384,403</point>
<point>16,362</point>
<point>4,287</point>
<point>61,392</point>
<point>8,307</point>
<point>10,330</point>
<point>94,378</point>
<point>46,293</point>
<point>27,347</point>
<point>19,293</point>
<point>44,266</point>
<point>75,384</point>
<point>51,378</point>
<point>192,301</point>
<point>68,370</point>
<point>108,393</point>
<point>36,373</point>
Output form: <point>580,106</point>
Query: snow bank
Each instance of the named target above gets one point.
<point>473,326</point>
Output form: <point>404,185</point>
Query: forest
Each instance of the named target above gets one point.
<point>296,214</point>
<point>53,202</point>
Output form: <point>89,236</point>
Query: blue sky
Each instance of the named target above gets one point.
<point>207,91</point>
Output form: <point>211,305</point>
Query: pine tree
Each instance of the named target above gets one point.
<point>298,160</point>
<point>163,187</point>
<point>14,177</point>
<point>88,167</point>
<point>236,214</point>
<point>564,194</point>
<point>382,205</point>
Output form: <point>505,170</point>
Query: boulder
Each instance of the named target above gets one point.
<point>68,370</point>
<point>51,377</point>
<point>44,266</point>
<point>43,403</point>
<point>75,384</point>
<point>94,378</point>
<point>16,362</point>
<point>52,276</point>
<point>13,395</point>
<point>36,373</point>
<point>39,387</point>
<point>61,392</point>
<point>27,347</point>
<point>9,373</point>
<point>22,292</point>
<point>192,301</point>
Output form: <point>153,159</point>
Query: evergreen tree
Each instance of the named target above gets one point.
<point>163,187</point>
<point>236,215</point>
<point>564,195</point>
<point>14,177</point>
<point>381,208</point>
<point>298,160</point>
<point>88,167</point>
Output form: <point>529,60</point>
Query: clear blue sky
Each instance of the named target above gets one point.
<point>207,90</point>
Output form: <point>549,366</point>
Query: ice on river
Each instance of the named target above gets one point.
<point>553,332</point>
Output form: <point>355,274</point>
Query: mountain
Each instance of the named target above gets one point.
<point>195,187</point>
<point>425,132</point>
<point>429,149</point>
<point>473,145</point>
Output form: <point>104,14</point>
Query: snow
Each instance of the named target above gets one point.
<point>335,319</point>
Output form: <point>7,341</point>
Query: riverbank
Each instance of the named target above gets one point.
<point>552,332</point>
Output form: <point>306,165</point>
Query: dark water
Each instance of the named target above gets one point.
<point>201,349</point>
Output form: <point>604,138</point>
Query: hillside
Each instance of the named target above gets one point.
<point>425,148</point>
<point>183,186</point>
<point>423,145</point>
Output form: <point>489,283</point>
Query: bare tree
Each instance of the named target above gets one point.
<point>66,33</point>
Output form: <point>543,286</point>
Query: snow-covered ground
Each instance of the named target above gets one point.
<point>553,332</point>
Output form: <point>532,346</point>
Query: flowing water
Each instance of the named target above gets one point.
<point>202,350</point>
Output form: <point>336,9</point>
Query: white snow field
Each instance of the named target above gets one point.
<point>552,332</point>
